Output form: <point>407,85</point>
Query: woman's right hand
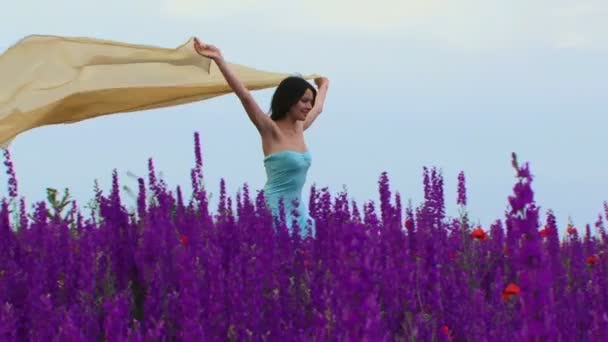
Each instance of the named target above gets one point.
<point>207,50</point>
<point>321,81</point>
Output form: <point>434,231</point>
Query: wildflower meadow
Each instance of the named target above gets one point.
<point>173,269</point>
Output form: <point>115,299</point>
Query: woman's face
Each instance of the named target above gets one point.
<point>301,108</point>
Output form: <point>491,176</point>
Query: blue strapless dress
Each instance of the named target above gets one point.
<point>286,174</point>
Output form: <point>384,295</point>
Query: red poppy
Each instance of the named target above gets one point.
<point>183,240</point>
<point>510,290</point>
<point>479,234</point>
<point>571,229</point>
<point>445,329</point>
<point>592,259</point>
<point>544,232</point>
<point>506,250</point>
<point>409,224</point>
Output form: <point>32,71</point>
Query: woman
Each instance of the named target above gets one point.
<point>295,106</point>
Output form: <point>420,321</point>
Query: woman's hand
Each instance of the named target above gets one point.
<point>321,82</point>
<point>207,50</point>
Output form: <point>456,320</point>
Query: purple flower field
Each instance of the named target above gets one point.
<point>174,270</point>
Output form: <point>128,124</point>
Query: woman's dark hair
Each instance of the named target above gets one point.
<point>288,93</point>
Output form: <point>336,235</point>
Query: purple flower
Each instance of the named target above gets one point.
<point>462,190</point>
<point>12,177</point>
<point>186,273</point>
<point>197,152</point>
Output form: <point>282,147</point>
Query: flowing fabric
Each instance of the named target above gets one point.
<point>57,80</point>
<point>286,174</point>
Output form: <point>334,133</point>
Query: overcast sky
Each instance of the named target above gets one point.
<point>457,84</point>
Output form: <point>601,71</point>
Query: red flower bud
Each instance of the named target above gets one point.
<point>479,234</point>
<point>183,240</point>
<point>592,259</point>
<point>510,290</point>
<point>409,225</point>
<point>544,232</point>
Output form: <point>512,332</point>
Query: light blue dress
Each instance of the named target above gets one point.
<point>286,174</point>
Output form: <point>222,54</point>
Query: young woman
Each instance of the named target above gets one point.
<point>295,106</point>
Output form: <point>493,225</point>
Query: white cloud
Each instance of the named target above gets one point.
<point>579,9</point>
<point>459,23</point>
<point>464,24</point>
<point>351,13</point>
<point>378,15</point>
<point>203,8</point>
<point>570,40</point>
<point>580,24</point>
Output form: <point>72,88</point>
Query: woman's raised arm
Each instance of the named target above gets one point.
<point>261,121</point>
<point>322,84</point>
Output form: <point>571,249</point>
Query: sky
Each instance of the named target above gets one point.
<point>452,84</point>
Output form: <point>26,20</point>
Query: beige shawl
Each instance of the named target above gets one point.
<point>49,80</point>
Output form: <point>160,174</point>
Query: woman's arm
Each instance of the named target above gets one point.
<point>322,85</point>
<point>261,121</point>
